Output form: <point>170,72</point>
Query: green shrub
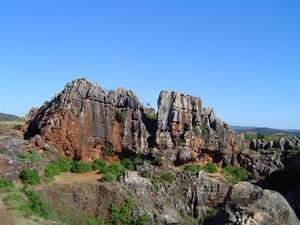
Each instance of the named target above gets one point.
<point>121,215</point>
<point>109,177</point>
<point>81,167</point>
<point>29,176</point>
<point>158,161</point>
<point>100,165</point>
<point>17,201</point>
<point>114,171</point>
<point>51,170</point>
<point>145,174</point>
<point>128,164</point>
<point>2,150</point>
<point>195,168</point>
<point>29,157</point>
<point>120,116</point>
<point>108,151</point>
<point>210,167</point>
<point>117,168</point>
<point>168,177</point>
<point>235,174</point>
<point>37,205</point>
<point>5,184</point>
<point>64,164</point>
<point>142,220</point>
<point>151,116</point>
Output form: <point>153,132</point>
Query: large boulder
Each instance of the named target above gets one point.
<point>183,123</point>
<point>248,204</point>
<point>84,120</point>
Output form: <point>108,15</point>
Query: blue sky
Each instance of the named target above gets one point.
<point>240,57</point>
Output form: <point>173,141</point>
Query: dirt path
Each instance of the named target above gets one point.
<point>5,216</point>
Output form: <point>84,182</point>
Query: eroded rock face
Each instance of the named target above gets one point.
<point>183,122</point>
<point>248,204</point>
<point>84,119</point>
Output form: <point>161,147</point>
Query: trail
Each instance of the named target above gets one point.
<point>5,216</point>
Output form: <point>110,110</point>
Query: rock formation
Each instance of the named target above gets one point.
<point>87,122</point>
<point>248,204</point>
<point>184,123</point>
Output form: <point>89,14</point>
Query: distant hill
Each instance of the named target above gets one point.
<point>8,117</point>
<point>264,130</point>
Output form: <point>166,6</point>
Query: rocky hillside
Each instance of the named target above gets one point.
<point>92,156</point>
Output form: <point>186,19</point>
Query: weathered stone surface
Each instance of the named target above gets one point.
<point>258,164</point>
<point>250,205</point>
<point>183,122</point>
<point>83,120</point>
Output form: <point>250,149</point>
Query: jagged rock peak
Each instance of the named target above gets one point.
<point>183,122</point>
<point>85,120</point>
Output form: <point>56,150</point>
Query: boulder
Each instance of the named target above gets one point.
<point>248,204</point>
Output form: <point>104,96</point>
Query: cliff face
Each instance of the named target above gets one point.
<point>184,123</point>
<point>86,122</point>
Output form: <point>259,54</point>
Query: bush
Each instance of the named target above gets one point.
<point>195,168</point>
<point>235,174</point>
<point>51,170</point>
<point>158,161</point>
<point>128,164</point>
<point>121,215</point>
<point>64,164</point>
<point>142,220</point>
<point>168,177</point>
<point>108,151</point>
<point>17,201</point>
<point>81,167</point>
<point>151,116</point>
<point>100,165</point>
<point>37,205</point>
<point>29,157</point>
<point>117,168</point>
<point>109,177</point>
<point>5,184</point>
<point>29,176</point>
<point>145,174</point>
<point>120,116</point>
<point>113,172</point>
<point>210,167</point>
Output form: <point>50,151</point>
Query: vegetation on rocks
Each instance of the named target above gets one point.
<point>29,176</point>
<point>120,117</point>
<point>81,167</point>
<point>235,175</point>
<point>5,184</point>
<point>52,170</point>
<point>29,157</point>
<point>168,177</point>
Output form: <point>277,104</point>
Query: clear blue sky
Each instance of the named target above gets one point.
<point>240,57</point>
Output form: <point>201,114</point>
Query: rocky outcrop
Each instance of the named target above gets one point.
<point>87,122</point>
<point>250,205</point>
<point>183,123</point>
